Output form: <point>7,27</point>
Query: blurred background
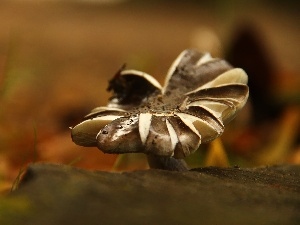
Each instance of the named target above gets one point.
<point>56,58</point>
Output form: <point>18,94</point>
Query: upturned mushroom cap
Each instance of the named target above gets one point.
<point>199,96</point>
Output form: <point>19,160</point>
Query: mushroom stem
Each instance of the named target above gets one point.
<point>166,163</point>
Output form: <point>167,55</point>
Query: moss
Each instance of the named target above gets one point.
<point>14,210</point>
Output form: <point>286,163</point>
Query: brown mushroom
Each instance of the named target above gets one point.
<point>167,123</point>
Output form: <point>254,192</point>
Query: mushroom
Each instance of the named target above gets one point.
<point>200,95</point>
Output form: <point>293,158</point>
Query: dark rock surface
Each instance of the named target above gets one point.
<point>58,194</point>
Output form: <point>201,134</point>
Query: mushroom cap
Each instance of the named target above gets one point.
<point>199,96</point>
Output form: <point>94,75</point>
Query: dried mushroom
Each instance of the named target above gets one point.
<point>168,123</point>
